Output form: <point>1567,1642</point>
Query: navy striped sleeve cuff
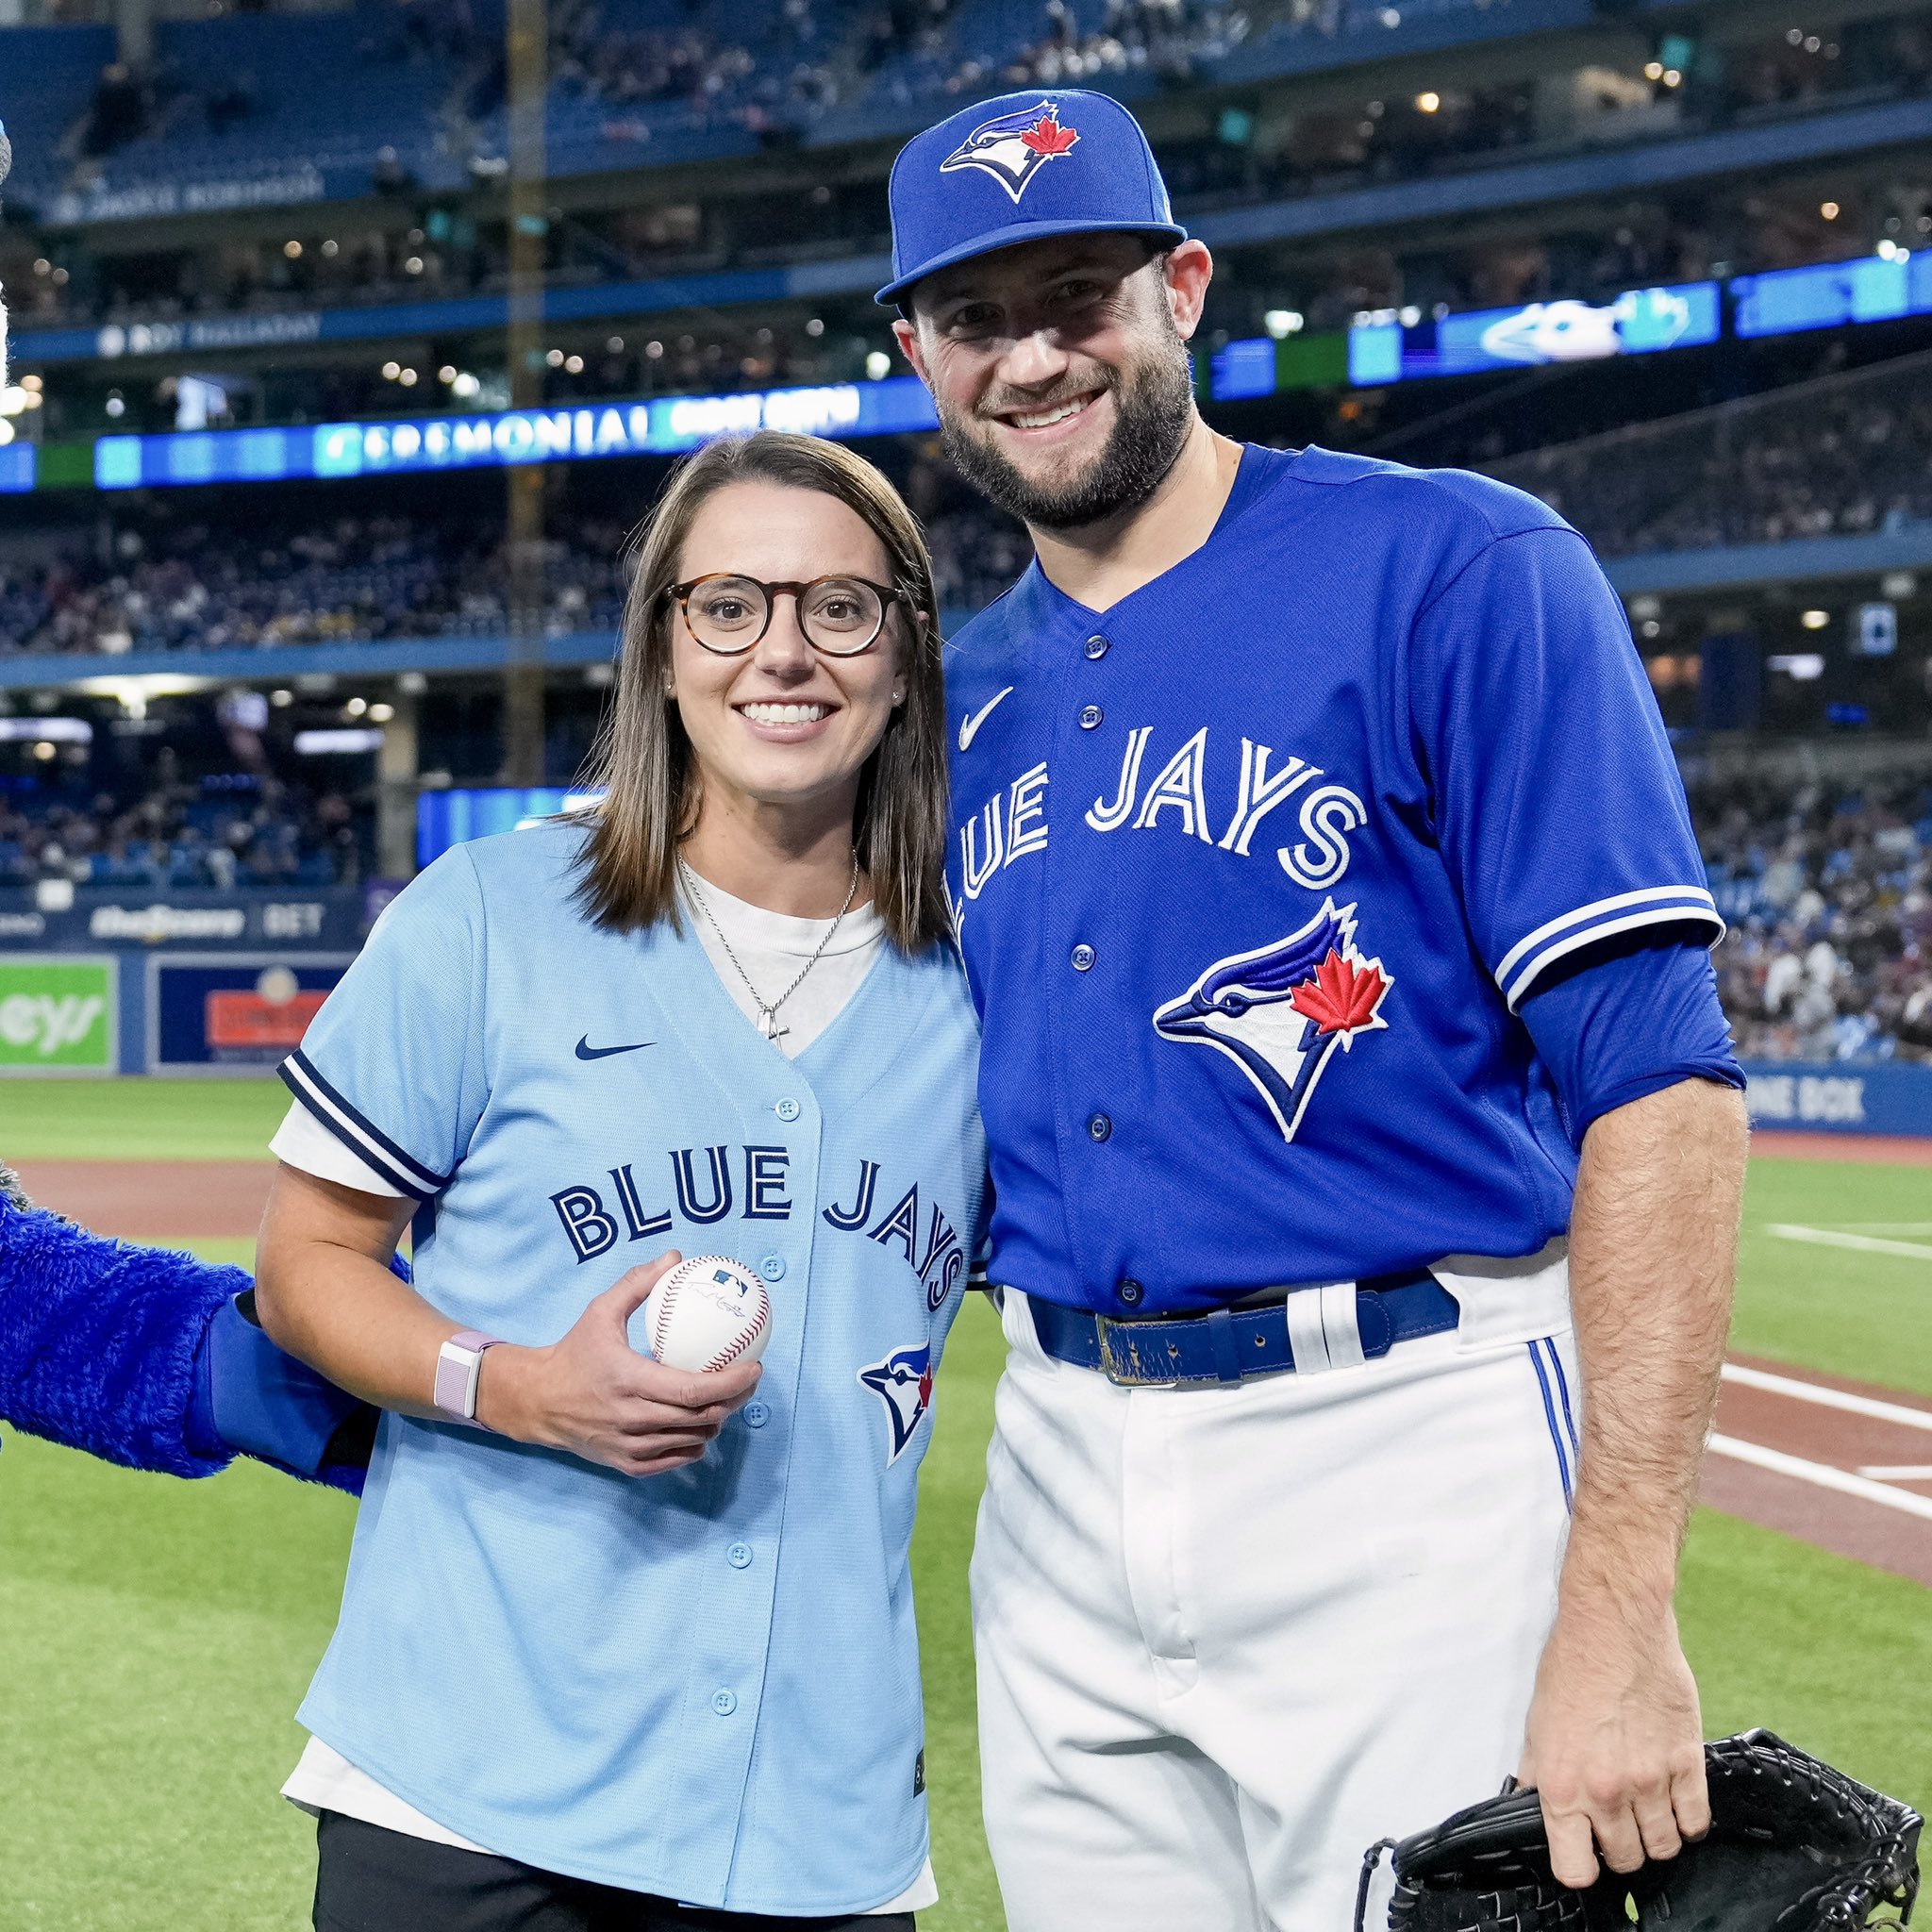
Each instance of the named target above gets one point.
<point>1532,956</point>
<point>357,1132</point>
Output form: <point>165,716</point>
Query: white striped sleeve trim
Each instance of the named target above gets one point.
<point>1532,954</point>
<point>359,1133</point>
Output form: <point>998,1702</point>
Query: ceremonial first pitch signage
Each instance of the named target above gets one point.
<point>57,1014</point>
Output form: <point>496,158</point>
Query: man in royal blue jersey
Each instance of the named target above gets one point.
<point>1364,1128</point>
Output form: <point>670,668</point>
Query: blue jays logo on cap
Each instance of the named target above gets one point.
<point>944,211</point>
<point>1013,148</point>
<point>1280,1011</point>
<point>903,1382</point>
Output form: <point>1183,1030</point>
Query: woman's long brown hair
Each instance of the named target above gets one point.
<point>643,758</point>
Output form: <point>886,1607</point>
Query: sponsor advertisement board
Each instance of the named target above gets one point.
<point>1840,1096</point>
<point>59,1013</point>
<point>234,1013</point>
<point>257,918</point>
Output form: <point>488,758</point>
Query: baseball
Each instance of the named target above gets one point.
<point>708,1313</point>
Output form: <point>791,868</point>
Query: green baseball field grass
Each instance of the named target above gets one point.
<point>154,1635</point>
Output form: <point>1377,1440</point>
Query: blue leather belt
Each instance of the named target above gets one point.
<point>1230,1344</point>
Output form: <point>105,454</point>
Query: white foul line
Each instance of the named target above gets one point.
<point>1822,1476</point>
<point>1863,1243</point>
<point>1827,1398</point>
<point>1898,1472</point>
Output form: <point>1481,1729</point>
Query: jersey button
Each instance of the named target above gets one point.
<point>1096,646</point>
<point>1082,957</point>
<point>756,1415</point>
<point>787,1109</point>
<point>1099,1127</point>
<point>724,1702</point>
<point>739,1556</point>
<point>1090,715</point>
<point>1130,1292</point>
<point>773,1267</point>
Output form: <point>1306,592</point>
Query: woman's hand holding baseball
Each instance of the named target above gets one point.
<point>596,1396</point>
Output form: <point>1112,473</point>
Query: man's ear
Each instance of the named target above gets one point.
<point>1186,272</point>
<point>907,335</point>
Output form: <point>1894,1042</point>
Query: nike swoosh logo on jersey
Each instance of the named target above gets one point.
<point>970,730</point>
<point>586,1052</point>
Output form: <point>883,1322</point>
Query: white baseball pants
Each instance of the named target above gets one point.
<point>1228,1638</point>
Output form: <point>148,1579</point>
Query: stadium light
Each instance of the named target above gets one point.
<point>337,744</point>
<point>1815,620</point>
<point>1428,103</point>
<point>1828,210</point>
<point>1280,323</point>
<point>1802,667</point>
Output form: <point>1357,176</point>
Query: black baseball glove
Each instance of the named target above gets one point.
<point>1793,1846</point>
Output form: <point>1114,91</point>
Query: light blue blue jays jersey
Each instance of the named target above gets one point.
<point>1253,871</point>
<point>704,1684</point>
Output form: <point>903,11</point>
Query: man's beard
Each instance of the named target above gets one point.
<point>1154,412</point>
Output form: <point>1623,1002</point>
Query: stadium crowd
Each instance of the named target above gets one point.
<point>235,829</point>
<point>200,586</point>
<point>1827,892</point>
<point>1842,455</point>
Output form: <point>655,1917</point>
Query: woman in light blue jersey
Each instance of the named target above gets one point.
<point>622,1646</point>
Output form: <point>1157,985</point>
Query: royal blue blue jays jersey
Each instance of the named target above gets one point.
<point>1254,870</point>
<point>703,1683</point>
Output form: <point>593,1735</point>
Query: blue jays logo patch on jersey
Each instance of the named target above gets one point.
<point>903,1382</point>
<point>1015,148</point>
<point>1280,1011</point>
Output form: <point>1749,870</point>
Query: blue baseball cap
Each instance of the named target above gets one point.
<point>1017,169</point>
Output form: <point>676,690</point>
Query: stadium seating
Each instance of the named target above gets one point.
<point>47,78</point>
<point>1828,889</point>
<point>1844,454</point>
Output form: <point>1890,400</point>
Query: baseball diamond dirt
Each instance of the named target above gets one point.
<point>1844,1465</point>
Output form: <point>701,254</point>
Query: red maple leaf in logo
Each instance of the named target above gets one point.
<point>1047,136</point>
<point>926,1390</point>
<point>1342,996</point>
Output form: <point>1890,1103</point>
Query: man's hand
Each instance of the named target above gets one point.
<point>594,1394</point>
<point>1614,1742</point>
<point>1615,1745</point>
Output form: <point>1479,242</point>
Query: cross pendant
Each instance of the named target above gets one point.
<point>768,1027</point>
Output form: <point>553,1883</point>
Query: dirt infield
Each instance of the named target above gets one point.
<point>154,1200</point>
<point>1842,1464</point>
<point>1874,1150</point>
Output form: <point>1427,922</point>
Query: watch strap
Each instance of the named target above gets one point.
<point>457,1365</point>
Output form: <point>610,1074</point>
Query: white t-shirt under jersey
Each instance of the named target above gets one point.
<point>773,947</point>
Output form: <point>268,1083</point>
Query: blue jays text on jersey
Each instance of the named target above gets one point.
<point>1254,870</point>
<point>675,1704</point>
<point>935,1256</point>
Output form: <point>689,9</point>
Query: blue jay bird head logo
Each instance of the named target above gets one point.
<point>1280,1011</point>
<point>1013,148</point>
<point>903,1383</point>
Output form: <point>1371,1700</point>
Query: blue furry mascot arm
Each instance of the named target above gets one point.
<point>154,1360</point>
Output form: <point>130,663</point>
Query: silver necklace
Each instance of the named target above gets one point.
<point>768,1015</point>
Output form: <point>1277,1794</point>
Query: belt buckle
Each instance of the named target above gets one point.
<point>1121,1364</point>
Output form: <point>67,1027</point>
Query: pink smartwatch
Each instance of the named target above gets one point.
<point>456,1369</point>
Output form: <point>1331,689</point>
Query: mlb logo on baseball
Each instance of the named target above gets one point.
<point>707,1313</point>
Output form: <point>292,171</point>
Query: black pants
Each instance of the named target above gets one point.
<point>372,1881</point>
